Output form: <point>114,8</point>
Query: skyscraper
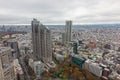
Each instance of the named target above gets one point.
<point>63,38</point>
<point>75,48</point>
<point>41,41</point>
<point>68,30</point>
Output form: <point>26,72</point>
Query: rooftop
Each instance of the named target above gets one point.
<point>3,49</point>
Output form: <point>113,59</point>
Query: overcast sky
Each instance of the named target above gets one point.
<point>57,11</point>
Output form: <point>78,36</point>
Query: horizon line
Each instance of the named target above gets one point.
<point>64,24</point>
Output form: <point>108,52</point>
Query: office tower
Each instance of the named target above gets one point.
<point>75,47</point>
<point>63,38</point>
<point>41,41</point>
<point>68,31</point>
<point>14,46</point>
<point>3,28</point>
<point>6,65</point>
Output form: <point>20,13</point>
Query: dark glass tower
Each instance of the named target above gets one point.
<point>75,48</point>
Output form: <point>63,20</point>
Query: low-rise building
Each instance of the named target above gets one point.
<point>38,68</point>
<point>6,65</point>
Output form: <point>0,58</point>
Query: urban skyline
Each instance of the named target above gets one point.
<point>59,40</point>
<point>86,52</point>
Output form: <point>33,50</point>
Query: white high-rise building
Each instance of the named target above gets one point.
<point>38,68</point>
<point>41,41</point>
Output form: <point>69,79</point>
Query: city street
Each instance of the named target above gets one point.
<point>25,69</point>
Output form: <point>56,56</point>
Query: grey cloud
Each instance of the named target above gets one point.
<point>57,11</point>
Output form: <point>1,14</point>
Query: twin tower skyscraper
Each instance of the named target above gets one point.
<point>41,39</point>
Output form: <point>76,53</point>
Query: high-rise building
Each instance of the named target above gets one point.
<point>14,46</point>
<point>41,41</point>
<point>68,30</point>
<point>6,65</point>
<point>75,48</point>
<point>63,38</point>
